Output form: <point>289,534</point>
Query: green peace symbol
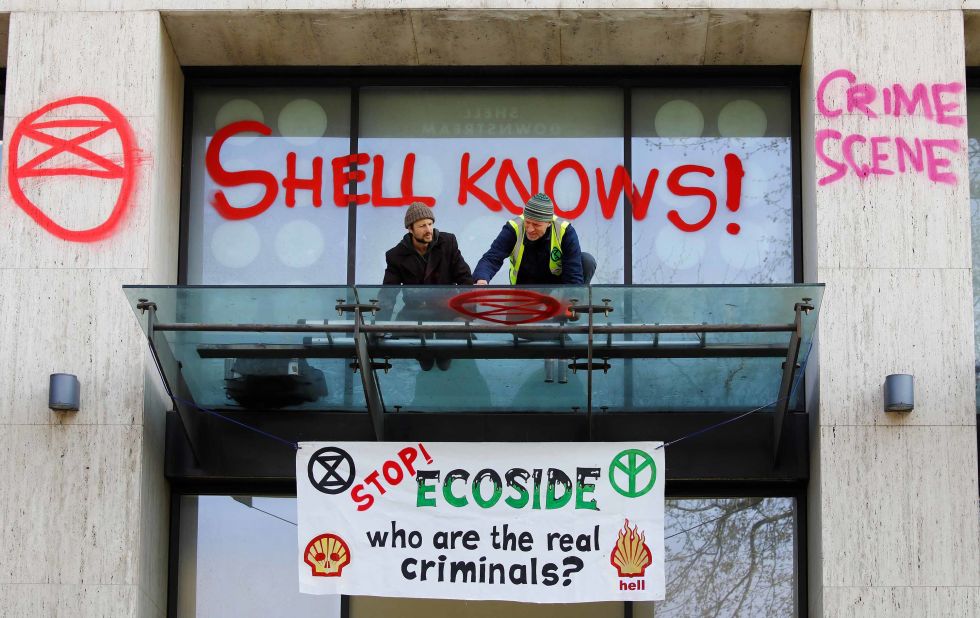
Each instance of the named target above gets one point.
<point>632,462</point>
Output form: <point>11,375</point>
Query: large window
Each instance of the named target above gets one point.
<point>663,185</point>
<point>245,225</point>
<point>707,139</point>
<point>973,129</point>
<point>680,181</point>
<point>528,141</point>
<point>237,558</point>
<point>725,557</point>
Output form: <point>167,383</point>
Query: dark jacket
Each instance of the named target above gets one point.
<point>534,263</point>
<point>443,264</point>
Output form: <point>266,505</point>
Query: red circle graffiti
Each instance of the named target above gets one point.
<point>506,306</point>
<point>96,166</point>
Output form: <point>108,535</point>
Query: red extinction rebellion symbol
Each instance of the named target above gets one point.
<point>327,555</point>
<point>506,306</point>
<point>59,136</point>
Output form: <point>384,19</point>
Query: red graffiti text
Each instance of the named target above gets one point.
<point>490,181</point>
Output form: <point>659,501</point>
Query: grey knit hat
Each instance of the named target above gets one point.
<point>416,212</point>
<point>539,208</point>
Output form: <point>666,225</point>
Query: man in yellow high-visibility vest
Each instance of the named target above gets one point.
<point>543,249</point>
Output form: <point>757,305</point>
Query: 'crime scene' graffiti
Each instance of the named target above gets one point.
<point>866,154</point>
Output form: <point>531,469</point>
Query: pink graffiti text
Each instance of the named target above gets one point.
<point>877,153</point>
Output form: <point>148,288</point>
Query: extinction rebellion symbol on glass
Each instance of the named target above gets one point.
<point>506,306</point>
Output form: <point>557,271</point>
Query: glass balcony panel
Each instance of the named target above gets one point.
<point>696,370</point>
<point>235,369</point>
<point>501,371</point>
<point>502,349</point>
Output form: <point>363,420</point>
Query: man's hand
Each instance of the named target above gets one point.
<point>481,282</point>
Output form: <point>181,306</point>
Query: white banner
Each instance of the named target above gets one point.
<point>533,522</point>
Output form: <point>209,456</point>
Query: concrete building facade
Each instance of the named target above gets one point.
<point>892,522</point>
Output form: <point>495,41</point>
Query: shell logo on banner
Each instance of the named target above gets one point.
<point>327,555</point>
<point>630,556</point>
<point>539,523</point>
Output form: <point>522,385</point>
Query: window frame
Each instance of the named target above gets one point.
<point>973,84</point>
<point>794,491</point>
<point>623,78</point>
<point>788,480</point>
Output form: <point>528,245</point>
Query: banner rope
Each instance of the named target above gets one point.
<point>792,393</point>
<point>293,445</point>
<point>255,508</point>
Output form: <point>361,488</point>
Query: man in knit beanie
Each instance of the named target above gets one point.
<point>543,249</point>
<point>424,256</point>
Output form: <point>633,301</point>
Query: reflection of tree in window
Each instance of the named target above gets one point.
<point>729,557</point>
<point>973,148</point>
<point>762,253</point>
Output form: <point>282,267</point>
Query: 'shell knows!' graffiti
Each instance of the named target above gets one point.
<point>67,157</point>
<point>359,179</point>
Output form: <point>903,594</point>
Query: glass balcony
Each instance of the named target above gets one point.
<point>487,349</point>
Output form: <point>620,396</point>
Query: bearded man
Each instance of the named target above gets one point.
<point>425,256</point>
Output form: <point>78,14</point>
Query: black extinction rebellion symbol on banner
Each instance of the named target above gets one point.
<point>331,470</point>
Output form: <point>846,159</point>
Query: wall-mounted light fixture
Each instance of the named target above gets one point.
<point>899,393</point>
<point>63,392</point>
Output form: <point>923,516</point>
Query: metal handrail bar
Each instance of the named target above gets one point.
<point>480,328</point>
<point>393,348</point>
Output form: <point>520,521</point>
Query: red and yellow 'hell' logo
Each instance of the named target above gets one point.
<point>630,556</point>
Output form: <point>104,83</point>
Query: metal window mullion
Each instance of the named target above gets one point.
<point>354,120</point>
<point>628,240</point>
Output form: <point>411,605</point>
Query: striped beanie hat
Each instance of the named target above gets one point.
<point>539,208</point>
